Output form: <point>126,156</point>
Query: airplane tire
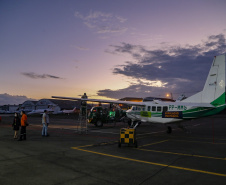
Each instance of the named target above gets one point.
<point>169,130</point>
<point>99,123</point>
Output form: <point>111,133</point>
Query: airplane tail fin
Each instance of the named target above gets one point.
<point>214,89</point>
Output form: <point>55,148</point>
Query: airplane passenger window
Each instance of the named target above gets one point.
<point>149,108</point>
<point>165,108</point>
<point>153,108</point>
<point>159,109</point>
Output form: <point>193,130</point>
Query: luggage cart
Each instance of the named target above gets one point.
<point>127,136</point>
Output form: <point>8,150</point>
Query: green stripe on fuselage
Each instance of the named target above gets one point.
<point>219,101</point>
<point>202,112</point>
<point>219,104</point>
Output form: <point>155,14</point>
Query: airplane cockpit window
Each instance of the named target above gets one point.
<point>159,109</point>
<point>134,108</point>
<point>153,108</point>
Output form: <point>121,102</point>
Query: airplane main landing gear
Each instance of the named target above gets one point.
<point>134,124</point>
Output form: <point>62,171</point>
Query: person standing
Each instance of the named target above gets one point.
<point>47,121</point>
<point>47,118</point>
<point>23,126</point>
<point>45,124</point>
<point>16,125</point>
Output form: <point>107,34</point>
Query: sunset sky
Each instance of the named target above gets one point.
<point>107,48</point>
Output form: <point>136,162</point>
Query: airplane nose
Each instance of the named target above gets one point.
<point>128,110</point>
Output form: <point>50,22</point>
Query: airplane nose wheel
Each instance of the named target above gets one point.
<point>169,130</point>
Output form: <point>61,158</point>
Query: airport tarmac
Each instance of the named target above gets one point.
<point>197,156</point>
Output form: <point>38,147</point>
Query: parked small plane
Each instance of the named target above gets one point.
<point>51,109</point>
<point>68,111</point>
<point>210,101</point>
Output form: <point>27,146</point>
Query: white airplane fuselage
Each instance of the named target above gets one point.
<point>168,112</point>
<point>152,113</point>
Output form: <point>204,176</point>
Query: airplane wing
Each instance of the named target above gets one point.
<point>139,103</point>
<point>102,101</point>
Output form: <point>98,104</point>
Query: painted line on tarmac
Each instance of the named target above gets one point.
<point>150,133</point>
<point>104,132</point>
<point>85,146</point>
<point>198,142</point>
<point>154,143</point>
<point>157,151</point>
<point>205,138</point>
<point>182,154</point>
<point>99,131</point>
<point>99,144</point>
<point>150,163</point>
<point>196,125</point>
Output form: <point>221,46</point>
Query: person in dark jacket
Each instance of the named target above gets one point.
<point>16,125</point>
<point>23,123</point>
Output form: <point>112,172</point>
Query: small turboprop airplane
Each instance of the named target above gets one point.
<point>41,111</point>
<point>69,111</point>
<point>210,101</point>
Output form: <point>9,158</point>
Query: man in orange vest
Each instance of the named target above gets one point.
<point>23,126</point>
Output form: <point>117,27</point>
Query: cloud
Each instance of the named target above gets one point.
<point>6,99</point>
<point>80,48</point>
<point>38,76</point>
<point>103,23</point>
<point>176,69</point>
<point>134,90</point>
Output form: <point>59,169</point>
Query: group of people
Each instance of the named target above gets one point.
<point>22,122</point>
<point>17,122</point>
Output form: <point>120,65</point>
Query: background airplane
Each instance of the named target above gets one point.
<point>51,109</point>
<point>67,111</point>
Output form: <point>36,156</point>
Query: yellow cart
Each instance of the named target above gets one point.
<point>127,136</point>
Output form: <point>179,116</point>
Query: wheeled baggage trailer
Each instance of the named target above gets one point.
<point>127,136</point>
